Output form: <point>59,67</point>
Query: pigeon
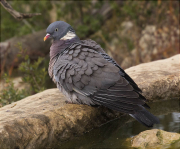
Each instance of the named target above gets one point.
<point>86,74</point>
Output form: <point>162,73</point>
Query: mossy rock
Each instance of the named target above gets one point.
<point>156,139</point>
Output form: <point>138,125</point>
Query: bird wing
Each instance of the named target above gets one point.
<point>98,48</point>
<point>83,70</point>
<point>122,72</point>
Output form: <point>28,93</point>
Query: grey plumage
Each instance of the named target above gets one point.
<point>87,75</point>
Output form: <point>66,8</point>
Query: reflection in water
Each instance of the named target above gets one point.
<point>176,125</point>
<point>114,133</point>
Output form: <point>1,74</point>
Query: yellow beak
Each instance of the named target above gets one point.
<point>46,37</point>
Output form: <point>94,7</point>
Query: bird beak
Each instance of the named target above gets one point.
<point>46,37</point>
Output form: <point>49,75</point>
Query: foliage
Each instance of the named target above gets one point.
<point>10,94</point>
<point>33,74</point>
<point>80,14</point>
<point>75,13</point>
<point>11,27</point>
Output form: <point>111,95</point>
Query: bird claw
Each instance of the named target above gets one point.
<point>68,102</point>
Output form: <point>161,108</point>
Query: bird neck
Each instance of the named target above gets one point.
<point>69,35</point>
<point>59,46</point>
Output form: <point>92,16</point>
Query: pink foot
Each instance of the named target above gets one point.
<point>68,102</point>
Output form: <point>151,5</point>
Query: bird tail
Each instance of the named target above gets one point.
<point>145,118</point>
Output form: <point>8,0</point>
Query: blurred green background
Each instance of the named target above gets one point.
<point>132,32</point>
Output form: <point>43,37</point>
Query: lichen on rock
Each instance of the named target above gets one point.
<point>155,138</point>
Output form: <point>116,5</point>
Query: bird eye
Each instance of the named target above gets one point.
<point>56,29</point>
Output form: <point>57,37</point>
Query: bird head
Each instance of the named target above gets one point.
<point>58,30</point>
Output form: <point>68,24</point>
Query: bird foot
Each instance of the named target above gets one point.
<point>68,102</point>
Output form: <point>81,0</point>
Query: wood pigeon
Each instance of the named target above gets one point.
<point>86,74</point>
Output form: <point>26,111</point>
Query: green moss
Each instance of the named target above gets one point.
<point>144,135</point>
<point>160,136</point>
<point>175,143</point>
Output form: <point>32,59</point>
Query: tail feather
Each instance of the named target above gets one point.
<point>145,118</point>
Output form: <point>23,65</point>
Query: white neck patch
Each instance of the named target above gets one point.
<point>69,35</point>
